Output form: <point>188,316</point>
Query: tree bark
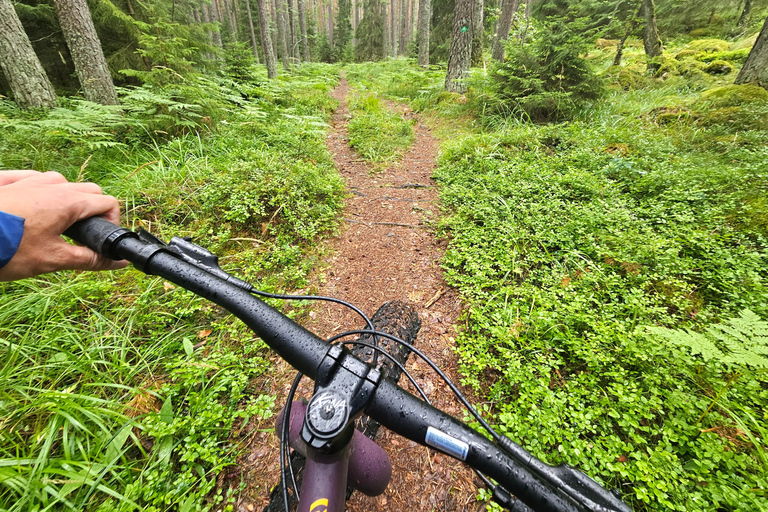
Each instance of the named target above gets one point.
<point>477,32</point>
<point>629,27</point>
<point>424,28</point>
<point>755,68</point>
<point>20,65</point>
<point>403,22</point>
<point>385,29</point>
<point>651,40</point>
<point>330,23</point>
<point>503,25</point>
<point>266,39</point>
<point>282,34</point>
<point>461,48</point>
<point>85,48</point>
<point>253,32</point>
<point>393,27</point>
<point>294,50</point>
<point>303,26</point>
<point>744,14</point>
<point>273,28</point>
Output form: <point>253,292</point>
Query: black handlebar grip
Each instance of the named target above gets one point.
<point>99,234</point>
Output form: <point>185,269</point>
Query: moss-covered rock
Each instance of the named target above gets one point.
<point>606,43</point>
<point>718,67</point>
<point>699,32</point>
<point>738,56</point>
<point>691,69</point>
<point>708,45</point>
<point>736,108</point>
<point>669,115</point>
<point>665,66</point>
<point>734,95</point>
<point>686,54</point>
<point>630,79</point>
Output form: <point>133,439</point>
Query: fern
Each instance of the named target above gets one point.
<point>740,342</point>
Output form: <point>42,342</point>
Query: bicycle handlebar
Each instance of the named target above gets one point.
<point>536,484</point>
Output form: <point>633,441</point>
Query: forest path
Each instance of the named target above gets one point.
<point>384,251</point>
<point>387,251</point>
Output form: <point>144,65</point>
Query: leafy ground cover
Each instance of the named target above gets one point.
<point>577,244</point>
<point>377,133</point>
<point>119,391</point>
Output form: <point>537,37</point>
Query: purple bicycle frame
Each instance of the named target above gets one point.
<point>362,465</point>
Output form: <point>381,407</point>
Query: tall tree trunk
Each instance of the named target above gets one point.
<point>629,26</point>
<point>294,50</point>
<point>744,14</point>
<point>527,13</point>
<point>274,27</point>
<point>253,32</point>
<point>214,18</point>
<point>226,15</point>
<point>755,68</point>
<point>477,32</point>
<point>303,27</point>
<point>330,23</point>
<point>266,40</point>
<point>403,27</point>
<point>385,29</point>
<point>651,39</point>
<point>85,48</point>
<point>424,27</point>
<point>357,22</point>
<point>20,65</point>
<point>461,48</point>
<point>196,15</point>
<point>393,27</point>
<point>503,25</point>
<point>283,35</point>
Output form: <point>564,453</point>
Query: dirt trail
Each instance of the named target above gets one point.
<point>386,251</point>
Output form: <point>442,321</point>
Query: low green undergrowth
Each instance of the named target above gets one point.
<point>590,253</point>
<point>120,391</point>
<point>377,133</point>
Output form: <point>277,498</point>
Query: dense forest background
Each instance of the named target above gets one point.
<point>603,176</point>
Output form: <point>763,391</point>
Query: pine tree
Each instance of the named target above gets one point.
<point>266,39</point>
<point>20,65</point>
<point>461,48</point>
<point>503,25</point>
<point>425,14</point>
<point>85,47</point>
<point>651,40</point>
<point>755,68</point>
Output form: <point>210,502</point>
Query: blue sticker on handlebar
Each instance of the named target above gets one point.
<point>445,443</point>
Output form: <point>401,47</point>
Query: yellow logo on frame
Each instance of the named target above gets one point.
<point>319,506</point>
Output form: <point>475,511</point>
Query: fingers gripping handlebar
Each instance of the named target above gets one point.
<point>539,486</point>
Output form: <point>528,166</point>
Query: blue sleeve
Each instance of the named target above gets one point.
<point>11,229</point>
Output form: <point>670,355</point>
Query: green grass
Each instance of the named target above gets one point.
<point>104,404</point>
<point>567,241</point>
<point>377,133</point>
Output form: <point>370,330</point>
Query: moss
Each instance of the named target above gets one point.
<point>699,32</point>
<point>734,95</point>
<point>666,66</point>
<point>738,56</point>
<point>630,79</point>
<point>606,43</point>
<point>708,45</point>
<point>685,54</point>
<point>448,97</point>
<point>718,67</point>
<point>691,69</point>
<point>669,115</point>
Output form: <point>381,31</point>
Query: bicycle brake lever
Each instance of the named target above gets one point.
<point>200,257</point>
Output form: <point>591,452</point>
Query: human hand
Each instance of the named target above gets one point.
<point>49,204</point>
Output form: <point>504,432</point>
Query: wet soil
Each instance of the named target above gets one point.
<point>385,251</point>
